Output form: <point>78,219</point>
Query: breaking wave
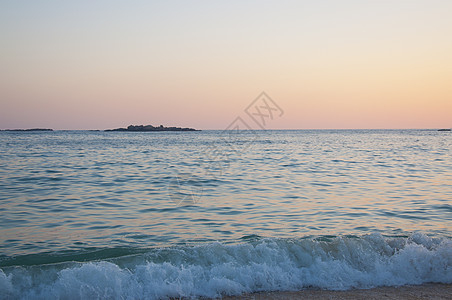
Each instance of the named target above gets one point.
<point>255,264</point>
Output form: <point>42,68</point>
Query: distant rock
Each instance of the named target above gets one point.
<point>444,129</point>
<point>145,128</point>
<point>31,129</point>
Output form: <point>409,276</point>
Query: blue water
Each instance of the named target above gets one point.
<point>168,214</point>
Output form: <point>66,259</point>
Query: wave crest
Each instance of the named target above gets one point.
<point>261,265</point>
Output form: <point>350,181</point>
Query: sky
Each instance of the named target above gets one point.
<point>326,64</point>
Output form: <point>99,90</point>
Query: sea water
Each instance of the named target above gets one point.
<point>150,215</point>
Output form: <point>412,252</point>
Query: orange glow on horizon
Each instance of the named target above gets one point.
<point>354,65</point>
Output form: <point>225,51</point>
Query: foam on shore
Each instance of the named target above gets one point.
<point>263,265</point>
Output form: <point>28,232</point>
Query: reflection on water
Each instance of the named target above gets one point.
<point>65,190</point>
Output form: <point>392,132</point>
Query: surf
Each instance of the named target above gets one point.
<point>254,265</point>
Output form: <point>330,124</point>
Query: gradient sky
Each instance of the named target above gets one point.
<point>327,64</point>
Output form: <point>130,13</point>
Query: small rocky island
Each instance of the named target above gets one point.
<point>144,128</point>
<point>444,129</point>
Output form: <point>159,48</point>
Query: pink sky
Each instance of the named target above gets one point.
<point>327,65</point>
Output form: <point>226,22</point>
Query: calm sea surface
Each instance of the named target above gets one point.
<point>168,214</point>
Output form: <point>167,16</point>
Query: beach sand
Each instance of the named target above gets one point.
<point>424,291</point>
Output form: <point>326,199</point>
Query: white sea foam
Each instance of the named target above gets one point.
<point>217,269</point>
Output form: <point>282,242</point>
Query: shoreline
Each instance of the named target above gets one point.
<point>423,291</point>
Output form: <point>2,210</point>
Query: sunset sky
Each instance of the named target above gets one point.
<point>327,64</point>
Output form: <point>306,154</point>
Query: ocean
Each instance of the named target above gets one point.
<point>152,215</point>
